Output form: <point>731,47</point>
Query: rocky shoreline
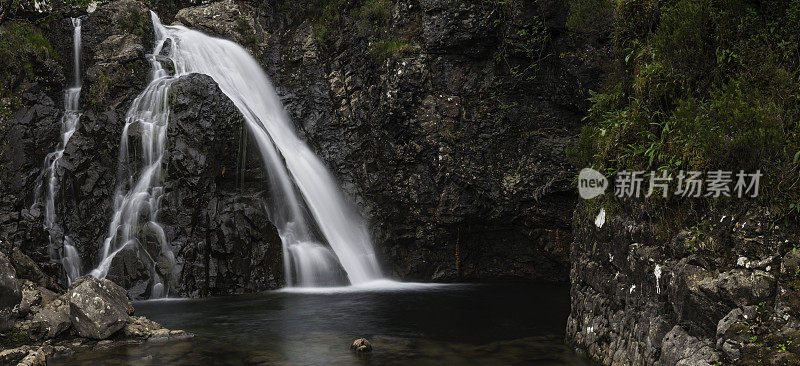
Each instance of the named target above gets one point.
<point>41,320</point>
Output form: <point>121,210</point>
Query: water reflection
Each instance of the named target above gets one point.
<point>450,325</point>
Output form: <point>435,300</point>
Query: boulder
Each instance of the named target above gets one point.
<point>732,331</point>
<point>680,348</point>
<point>232,20</point>
<point>27,268</point>
<point>98,307</point>
<point>10,294</point>
<point>361,345</point>
<point>50,321</point>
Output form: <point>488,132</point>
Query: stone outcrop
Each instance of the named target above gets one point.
<point>707,295</point>
<point>44,324</point>
<point>98,308</point>
<point>10,294</point>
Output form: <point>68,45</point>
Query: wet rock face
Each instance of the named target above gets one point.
<point>114,71</point>
<point>213,203</point>
<point>445,174</point>
<point>225,241</point>
<point>10,294</point>
<point>700,297</point>
<point>115,39</point>
<point>457,181</point>
<point>98,308</point>
<point>53,319</point>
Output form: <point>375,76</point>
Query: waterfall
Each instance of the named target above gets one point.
<point>321,233</point>
<point>68,255</point>
<point>137,197</point>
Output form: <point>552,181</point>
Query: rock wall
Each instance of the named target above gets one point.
<point>454,145</point>
<point>718,294</point>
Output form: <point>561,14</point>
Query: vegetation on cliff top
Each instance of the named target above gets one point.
<point>23,50</point>
<point>369,18</point>
<point>697,85</point>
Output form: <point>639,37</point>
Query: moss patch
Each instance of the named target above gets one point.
<point>14,337</point>
<point>23,51</point>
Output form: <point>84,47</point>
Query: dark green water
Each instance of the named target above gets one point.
<point>442,325</point>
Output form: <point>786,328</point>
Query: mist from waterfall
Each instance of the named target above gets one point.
<point>322,234</point>
<point>48,180</point>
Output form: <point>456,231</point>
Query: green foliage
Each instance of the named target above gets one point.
<point>135,23</point>
<point>99,90</point>
<point>591,17</point>
<point>383,49</point>
<point>376,13</point>
<point>23,50</point>
<point>14,337</point>
<point>699,85</point>
<point>684,40</point>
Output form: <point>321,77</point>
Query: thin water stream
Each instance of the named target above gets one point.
<point>66,252</point>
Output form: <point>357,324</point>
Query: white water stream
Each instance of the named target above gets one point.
<point>316,247</point>
<point>67,255</point>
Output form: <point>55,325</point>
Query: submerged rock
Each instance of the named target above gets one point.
<point>98,308</point>
<point>361,345</point>
<point>140,327</point>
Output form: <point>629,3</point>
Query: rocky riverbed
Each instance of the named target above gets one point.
<point>39,319</point>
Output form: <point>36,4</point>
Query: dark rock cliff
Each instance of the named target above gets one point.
<point>214,205</point>
<point>446,123</point>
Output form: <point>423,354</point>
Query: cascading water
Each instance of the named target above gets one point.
<point>137,198</point>
<point>290,163</point>
<point>68,254</point>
